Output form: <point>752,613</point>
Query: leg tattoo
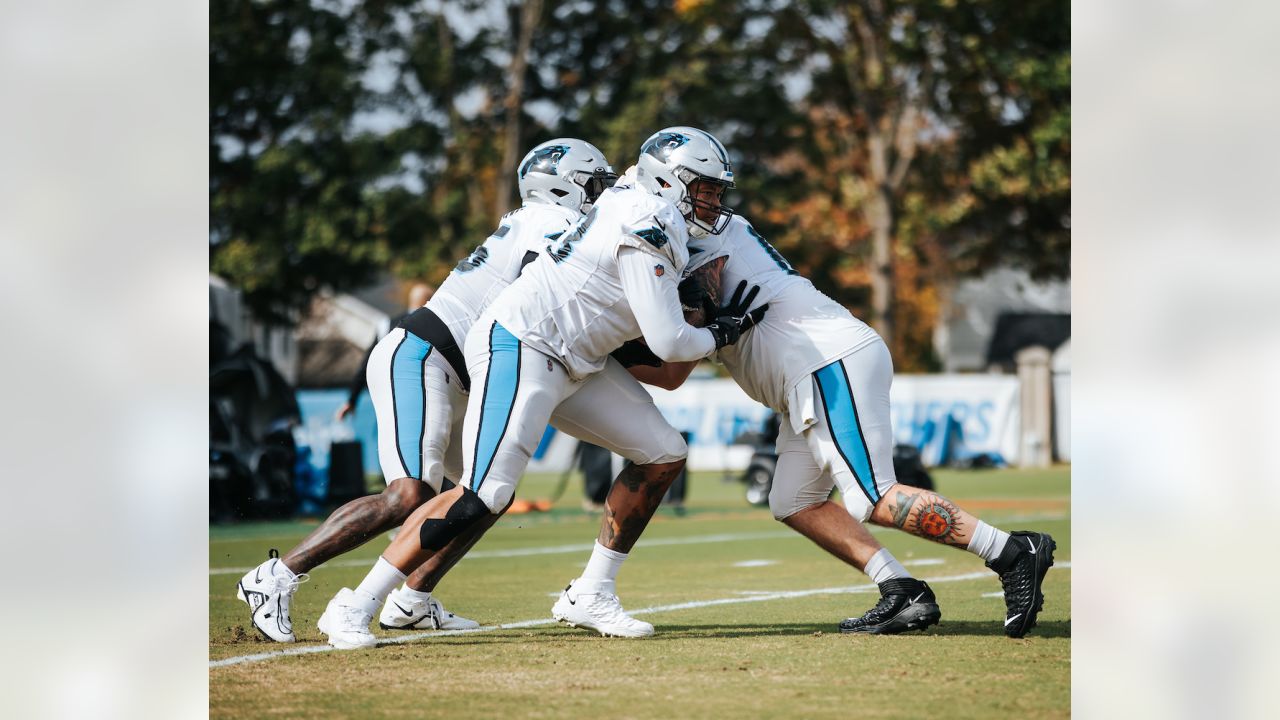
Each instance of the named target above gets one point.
<point>937,519</point>
<point>634,499</point>
<point>926,514</point>
<point>357,522</point>
<point>902,510</point>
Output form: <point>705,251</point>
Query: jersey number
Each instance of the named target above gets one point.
<point>480,255</point>
<point>561,250</point>
<point>474,260</point>
<point>777,256</point>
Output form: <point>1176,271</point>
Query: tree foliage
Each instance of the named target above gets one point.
<point>885,147</point>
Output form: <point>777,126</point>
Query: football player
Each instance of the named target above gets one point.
<point>541,352</point>
<point>827,374</point>
<point>419,384</point>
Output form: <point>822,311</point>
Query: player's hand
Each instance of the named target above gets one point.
<point>692,294</point>
<point>734,319</point>
<point>635,352</point>
<point>343,411</point>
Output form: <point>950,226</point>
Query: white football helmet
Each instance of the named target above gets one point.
<point>567,172</point>
<point>672,159</point>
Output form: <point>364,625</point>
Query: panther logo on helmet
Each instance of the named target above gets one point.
<point>663,144</point>
<point>544,160</point>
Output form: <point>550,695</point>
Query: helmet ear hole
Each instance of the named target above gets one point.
<point>558,192</point>
<point>663,183</point>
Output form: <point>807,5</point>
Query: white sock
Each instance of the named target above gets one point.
<point>604,563</point>
<point>987,541</point>
<point>282,569</point>
<point>884,566</point>
<point>378,584</point>
<point>419,595</point>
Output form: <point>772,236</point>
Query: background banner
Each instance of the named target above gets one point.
<point>947,416</point>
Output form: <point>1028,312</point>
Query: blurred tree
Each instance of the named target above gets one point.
<point>326,130</point>
<point>884,146</point>
<point>936,135</point>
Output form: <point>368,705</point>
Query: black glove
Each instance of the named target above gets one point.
<point>693,296</point>
<point>733,319</point>
<point>634,352</point>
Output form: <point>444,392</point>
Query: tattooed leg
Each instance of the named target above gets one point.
<point>925,513</point>
<point>632,500</point>
<point>357,522</point>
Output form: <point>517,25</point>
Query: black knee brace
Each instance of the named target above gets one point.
<point>465,512</point>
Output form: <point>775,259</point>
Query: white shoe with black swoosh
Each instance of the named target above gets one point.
<point>346,621</point>
<point>268,590</point>
<point>592,604</point>
<point>402,612</point>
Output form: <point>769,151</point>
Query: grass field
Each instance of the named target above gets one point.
<point>756,636</point>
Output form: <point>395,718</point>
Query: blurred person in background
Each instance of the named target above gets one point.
<point>419,294</point>
<point>419,384</point>
<point>542,353</point>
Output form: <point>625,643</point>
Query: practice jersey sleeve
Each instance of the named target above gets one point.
<point>650,287</point>
<point>657,230</point>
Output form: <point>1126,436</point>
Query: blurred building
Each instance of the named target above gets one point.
<point>327,345</point>
<point>333,337</point>
<point>987,320</point>
<point>231,325</point>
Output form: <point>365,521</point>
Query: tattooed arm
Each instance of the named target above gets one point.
<point>700,293</point>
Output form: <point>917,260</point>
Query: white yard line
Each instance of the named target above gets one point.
<point>586,547</point>
<point>308,649</point>
<point>555,549</point>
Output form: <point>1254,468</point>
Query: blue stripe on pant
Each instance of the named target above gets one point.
<point>842,420</point>
<point>501,382</point>
<point>408,398</point>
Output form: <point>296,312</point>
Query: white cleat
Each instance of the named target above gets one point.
<point>346,622</point>
<point>267,590</point>
<point>403,612</point>
<point>592,604</point>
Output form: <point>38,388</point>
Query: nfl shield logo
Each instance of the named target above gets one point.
<point>659,270</point>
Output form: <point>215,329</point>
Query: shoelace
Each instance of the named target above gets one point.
<point>436,612</point>
<point>352,615</point>
<point>610,609</point>
<point>1012,584</point>
<point>290,585</point>
<point>884,607</point>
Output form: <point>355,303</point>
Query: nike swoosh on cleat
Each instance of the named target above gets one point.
<point>1010,620</point>
<point>406,612</point>
<point>916,599</point>
<point>1032,543</point>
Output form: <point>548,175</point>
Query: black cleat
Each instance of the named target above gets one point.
<point>1022,566</point>
<point>905,604</point>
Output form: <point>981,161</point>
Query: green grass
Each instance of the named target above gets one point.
<point>772,658</point>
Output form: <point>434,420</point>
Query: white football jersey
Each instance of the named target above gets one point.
<point>571,304</point>
<point>802,331</point>
<point>492,266</point>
